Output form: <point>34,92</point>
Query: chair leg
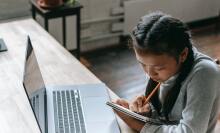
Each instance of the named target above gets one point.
<point>217,25</point>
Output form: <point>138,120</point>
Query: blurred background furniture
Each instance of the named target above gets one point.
<point>60,11</point>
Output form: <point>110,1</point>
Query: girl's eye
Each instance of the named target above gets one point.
<point>143,65</point>
<point>159,68</point>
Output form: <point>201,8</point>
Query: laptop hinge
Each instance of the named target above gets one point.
<point>45,109</point>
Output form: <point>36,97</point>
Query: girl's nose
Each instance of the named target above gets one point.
<point>150,71</point>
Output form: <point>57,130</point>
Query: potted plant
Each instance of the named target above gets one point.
<point>49,3</point>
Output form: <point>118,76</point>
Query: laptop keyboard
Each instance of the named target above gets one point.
<point>68,112</point>
<point>35,105</point>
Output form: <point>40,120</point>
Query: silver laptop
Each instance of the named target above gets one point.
<point>67,109</point>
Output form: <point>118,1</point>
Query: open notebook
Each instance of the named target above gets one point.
<point>134,115</point>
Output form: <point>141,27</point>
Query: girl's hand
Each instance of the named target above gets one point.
<point>138,105</point>
<point>131,122</point>
<point>122,102</point>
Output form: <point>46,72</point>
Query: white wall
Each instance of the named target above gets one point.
<point>97,10</point>
<point>92,10</point>
<point>186,10</point>
<point>14,8</point>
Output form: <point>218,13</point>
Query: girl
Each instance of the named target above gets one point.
<point>188,97</point>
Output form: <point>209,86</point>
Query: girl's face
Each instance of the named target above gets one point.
<point>161,67</point>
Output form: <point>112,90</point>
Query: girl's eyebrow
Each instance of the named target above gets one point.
<point>142,63</point>
<point>149,65</point>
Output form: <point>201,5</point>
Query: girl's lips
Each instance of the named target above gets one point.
<point>155,79</point>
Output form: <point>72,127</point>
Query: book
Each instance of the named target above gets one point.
<point>134,114</point>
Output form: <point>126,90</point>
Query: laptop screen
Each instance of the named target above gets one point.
<point>32,76</point>
<point>32,79</point>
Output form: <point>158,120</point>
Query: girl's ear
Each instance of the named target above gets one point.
<point>183,55</point>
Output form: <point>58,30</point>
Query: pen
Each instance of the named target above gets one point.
<point>147,98</point>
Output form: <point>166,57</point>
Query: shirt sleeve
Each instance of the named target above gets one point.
<point>201,95</point>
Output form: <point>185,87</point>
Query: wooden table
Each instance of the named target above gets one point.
<point>57,65</point>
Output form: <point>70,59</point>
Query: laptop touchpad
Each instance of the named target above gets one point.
<point>95,109</point>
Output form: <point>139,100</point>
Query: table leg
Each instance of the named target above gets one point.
<point>33,12</point>
<point>217,22</point>
<point>46,24</point>
<point>64,31</point>
<point>78,35</point>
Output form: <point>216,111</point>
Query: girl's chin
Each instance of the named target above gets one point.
<point>157,80</point>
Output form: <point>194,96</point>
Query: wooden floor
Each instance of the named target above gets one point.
<point>118,68</point>
<point>207,41</point>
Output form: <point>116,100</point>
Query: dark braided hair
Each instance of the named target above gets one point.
<point>158,33</point>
